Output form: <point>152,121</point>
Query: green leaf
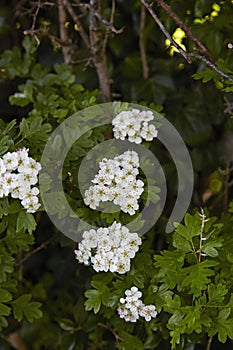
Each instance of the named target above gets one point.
<point>14,207</point>
<point>6,264</point>
<point>4,310</point>
<point>216,293</point>
<point>96,297</point>
<point>130,342</point>
<point>191,228</point>
<point>5,296</point>
<point>23,306</point>
<point>175,338</point>
<point>209,247</point>
<point>9,127</point>
<point>224,328</point>
<point>66,324</point>
<point>206,75</point>
<point>197,277</point>
<point>19,99</point>
<point>85,140</point>
<point>25,221</point>
<point>153,194</point>
<point>17,240</point>
<point>93,300</point>
<point>170,265</point>
<point>34,130</point>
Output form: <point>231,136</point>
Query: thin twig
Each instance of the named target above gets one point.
<point>165,32</point>
<point>187,56</point>
<point>200,47</point>
<point>209,343</point>
<point>63,32</point>
<point>35,16</point>
<point>145,67</point>
<point>75,18</point>
<point>211,65</point>
<point>33,31</point>
<point>109,328</point>
<point>34,251</point>
<point>110,26</point>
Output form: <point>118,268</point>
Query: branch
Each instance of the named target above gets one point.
<point>16,341</point>
<point>109,328</point>
<point>109,24</point>
<point>164,30</point>
<point>145,67</point>
<point>98,50</point>
<point>110,27</point>
<point>34,251</point>
<point>187,56</point>
<point>75,18</point>
<point>209,343</point>
<point>33,31</point>
<point>63,32</point>
<point>200,47</point>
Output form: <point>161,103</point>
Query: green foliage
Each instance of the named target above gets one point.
<point>188,274</point>
<point>23,306</point>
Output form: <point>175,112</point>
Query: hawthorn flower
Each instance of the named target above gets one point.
<point>34,166</point>
<point>116,181</point>
<point>31,204</point>
<point>18,173</point>
<point>132,307</point>
<point>134,124</point>
<point>23,160</point>
<point>132,294</point>
<point>148,312</point>
<point>108,248</point>
<point>148,132</point>
<point>90,239</point>
<point>10,161</point>
<point>2,167</point>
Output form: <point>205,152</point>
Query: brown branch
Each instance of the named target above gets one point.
<point>75,18</point>
<point>98,51</point>
<point>63,32</point>
<point>200,47</point>
<point>110,27</point>
<point>33,31</point>
<point>35,16</point>
<point>211,65</point>
<point>145,67</point>
<point>109,328</point>
<point>16,341</point>
<point>187,56</point>
<point>208,347</point>
<point>164,30</point>
<point>34,251</point>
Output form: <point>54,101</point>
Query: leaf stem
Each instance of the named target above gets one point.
<point>203,217</point>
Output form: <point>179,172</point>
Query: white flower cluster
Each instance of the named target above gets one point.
<point>135,125</point>
<point>132,307</point>
<point>18,173</point>
<point>116,181</point>
<point>108,249</point>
